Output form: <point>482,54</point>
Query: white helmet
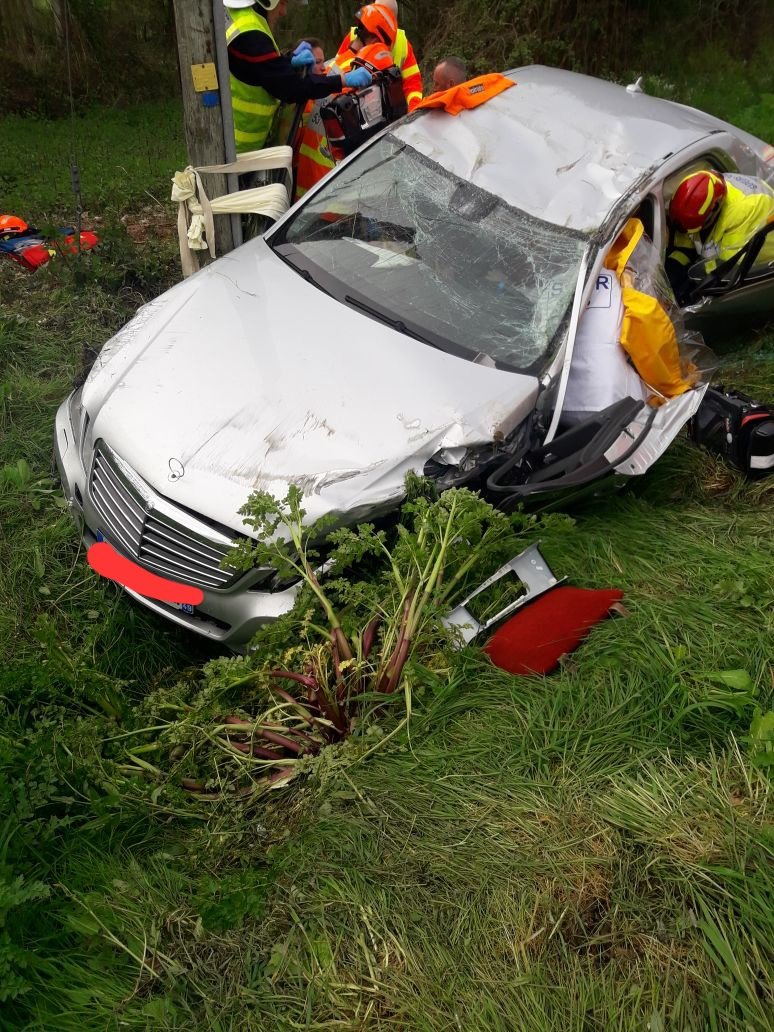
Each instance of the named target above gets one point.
<point>267,5</point>
<point>392,4</point>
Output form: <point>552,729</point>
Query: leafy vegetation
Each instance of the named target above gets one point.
<point>591,850</point>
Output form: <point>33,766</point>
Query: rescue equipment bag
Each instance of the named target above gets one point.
<point>354,116</point>
<point>26,246</point>
<point>737,428</point>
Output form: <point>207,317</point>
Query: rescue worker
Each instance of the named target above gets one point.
<point>261,77</point>
<point>375,28</point>
<point>312,160</point>
<point>402,54</point>
<point>449,72</point>
<point>712,216</point>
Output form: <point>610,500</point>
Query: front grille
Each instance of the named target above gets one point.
<point>134,520</point>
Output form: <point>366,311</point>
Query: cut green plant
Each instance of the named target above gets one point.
<point>364,620</point>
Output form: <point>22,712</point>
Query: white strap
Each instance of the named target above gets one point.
<point>195,222</point>
<point>255,161</point>
<point>271,200</point>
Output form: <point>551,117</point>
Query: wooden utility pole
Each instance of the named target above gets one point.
<point>202,91</point>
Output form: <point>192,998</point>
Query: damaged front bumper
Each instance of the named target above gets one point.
<point>230,615</point>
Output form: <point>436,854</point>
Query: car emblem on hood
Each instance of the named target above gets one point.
<point>176,470</point>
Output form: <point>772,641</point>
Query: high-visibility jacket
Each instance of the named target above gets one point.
<point>313,159</point>
<point>746,208</point>
<point>254,107</point>
<point>402,55</point>
<point>468,95</point>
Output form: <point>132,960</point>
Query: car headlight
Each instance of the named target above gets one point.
<point>76,412</point>
<point>79,418</point>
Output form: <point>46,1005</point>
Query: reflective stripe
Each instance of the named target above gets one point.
<point>243,136</point>
<point>680,257</point>
<point>762,462</point>
<point>708,199</point>
<point>314,155</point>
<point>253,107</point>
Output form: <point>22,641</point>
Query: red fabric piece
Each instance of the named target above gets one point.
<point>32,257</point>
<point>533,640</point>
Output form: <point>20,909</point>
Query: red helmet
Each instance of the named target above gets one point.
<point>696,200</point>
<point>375,20</point>
<point>12,224</point>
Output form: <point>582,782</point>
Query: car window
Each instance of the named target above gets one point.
<point>398,236</point>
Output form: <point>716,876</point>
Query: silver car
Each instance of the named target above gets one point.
<point>371,333</point>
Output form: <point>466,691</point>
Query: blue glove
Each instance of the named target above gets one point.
<point>358,78</point>
<point>302,56</point>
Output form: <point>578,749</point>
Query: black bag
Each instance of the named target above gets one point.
<point>736,427</point>
<point>352,118</point>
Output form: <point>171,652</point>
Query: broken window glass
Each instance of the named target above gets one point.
<point>404,240</point>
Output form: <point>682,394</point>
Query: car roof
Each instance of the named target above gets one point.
<point>561,146</point>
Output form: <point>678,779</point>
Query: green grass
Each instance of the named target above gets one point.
<point>741,92</point>
<point>588,851</point>
<point>126,157</point>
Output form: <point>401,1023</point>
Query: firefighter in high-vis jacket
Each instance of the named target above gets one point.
<point>712,216</point>
<point>402,54</point>
<point>261,78</point>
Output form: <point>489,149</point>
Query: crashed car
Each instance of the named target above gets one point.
<point>416,311</point>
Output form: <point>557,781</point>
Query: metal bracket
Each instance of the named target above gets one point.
<point>534,573</point>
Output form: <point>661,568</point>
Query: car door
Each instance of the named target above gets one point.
<point>736,295</point>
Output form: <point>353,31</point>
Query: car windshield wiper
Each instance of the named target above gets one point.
<point>310,278</point>
<point>441,344</point>
<point>300,269</point>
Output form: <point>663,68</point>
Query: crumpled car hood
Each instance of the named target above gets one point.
<point>248,377</point>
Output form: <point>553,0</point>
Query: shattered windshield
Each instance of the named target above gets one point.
<point>400,238</point>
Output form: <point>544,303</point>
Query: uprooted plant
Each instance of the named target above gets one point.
<point>366,620</point>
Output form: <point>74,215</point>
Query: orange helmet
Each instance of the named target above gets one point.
<point>376,57</point>
<point>12,224</point>
<point>696,200</point>
<point>376,20</point>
